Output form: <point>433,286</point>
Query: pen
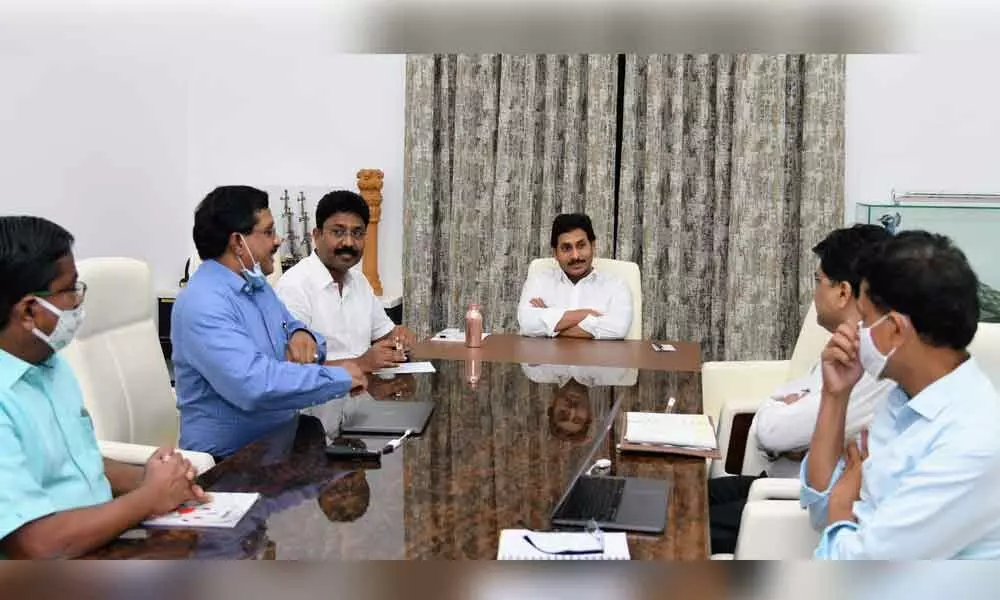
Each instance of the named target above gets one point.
<point>670,404</point>
<point>396,443</point>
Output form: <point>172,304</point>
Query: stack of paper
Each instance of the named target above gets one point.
<point>224,509</point>
<point>452,334</point>
<point>669,432</point>
<point>551,545</point>
<point>409,367</point>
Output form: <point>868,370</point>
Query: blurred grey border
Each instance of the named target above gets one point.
<point>636,27</point>
<point>718,580</point>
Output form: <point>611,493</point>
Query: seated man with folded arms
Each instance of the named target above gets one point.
<point>575,300</point>
<point>923,482</point>
<point>58,497</point>
<point>243,363</point>
<point>785,421</point>
<point>329,296</point>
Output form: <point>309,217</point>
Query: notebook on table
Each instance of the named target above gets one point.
<point>671,433</point>
<point>223,510</point>
<point>525,544</point>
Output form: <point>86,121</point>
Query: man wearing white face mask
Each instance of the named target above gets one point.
<point>58,497</point>
<point>924,483</point>
<point>244,365</point>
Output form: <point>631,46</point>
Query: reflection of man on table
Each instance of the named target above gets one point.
<point>575,300</point>
<point>570,413</point>
<point>291,469</point>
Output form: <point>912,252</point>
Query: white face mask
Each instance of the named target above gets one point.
<point>67,324</point>
<point>872,361</point>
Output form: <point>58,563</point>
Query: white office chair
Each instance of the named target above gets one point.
<point>732,388</point>
<point>627,271</point>
<point>774,525</point>
<point>117,359</point>
<point>986,348</point>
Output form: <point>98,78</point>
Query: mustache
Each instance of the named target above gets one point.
<point>346,252</point>
<point>573,263</point>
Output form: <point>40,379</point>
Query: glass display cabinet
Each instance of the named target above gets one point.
<point>971,221</point>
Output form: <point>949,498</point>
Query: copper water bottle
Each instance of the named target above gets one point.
<point>473,327</point>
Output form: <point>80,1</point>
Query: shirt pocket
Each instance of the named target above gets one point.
<point>83,442</point>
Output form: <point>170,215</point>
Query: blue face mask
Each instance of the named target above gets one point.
<point>254,276</point>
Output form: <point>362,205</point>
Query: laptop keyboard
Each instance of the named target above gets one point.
<point>594,498</point>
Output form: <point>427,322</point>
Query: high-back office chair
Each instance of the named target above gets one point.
<point>627,271</point>
<point>119,364</point>
<point>985,347</point>
<point>732,391</point>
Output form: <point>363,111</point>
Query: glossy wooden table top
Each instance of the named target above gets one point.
<point>495,455</point>
<point>506,347</point>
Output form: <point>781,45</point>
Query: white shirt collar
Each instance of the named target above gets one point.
<point>588,277</point>
<point>319,272</point>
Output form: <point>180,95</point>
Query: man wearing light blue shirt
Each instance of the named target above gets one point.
<point>924,482</point>
<point>58,497</point>
<point>243,364</point>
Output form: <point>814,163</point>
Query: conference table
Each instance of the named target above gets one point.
<point>512,424</point>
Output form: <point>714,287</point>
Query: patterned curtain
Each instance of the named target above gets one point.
<point>496,146</point>
<point>732,169</point>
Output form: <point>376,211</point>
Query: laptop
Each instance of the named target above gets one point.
<point>614,503</point>
<point>386,417</point>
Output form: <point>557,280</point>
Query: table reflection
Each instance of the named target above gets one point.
<point>496,453</point>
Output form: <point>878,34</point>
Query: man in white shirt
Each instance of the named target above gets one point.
<point>575,300</point>
<point>785,421</point>
<point>325,293</point>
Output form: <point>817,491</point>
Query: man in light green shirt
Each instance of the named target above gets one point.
<point>58,497</point>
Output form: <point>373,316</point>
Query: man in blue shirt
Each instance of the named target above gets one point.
<point>924,482</point>
<point>58,497</point>
<point>243,364</point>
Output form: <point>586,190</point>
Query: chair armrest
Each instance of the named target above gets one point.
<point>775,530</point>
<point>724,432</point>
<point>138,454</point>
<point>774,488</point>
<point>724,381</point>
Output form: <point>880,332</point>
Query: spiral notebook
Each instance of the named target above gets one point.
<point>553,545</point>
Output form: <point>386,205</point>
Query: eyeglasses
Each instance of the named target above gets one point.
<point>270,232</point>
<point>79,289</point>
<point>339,233</point>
